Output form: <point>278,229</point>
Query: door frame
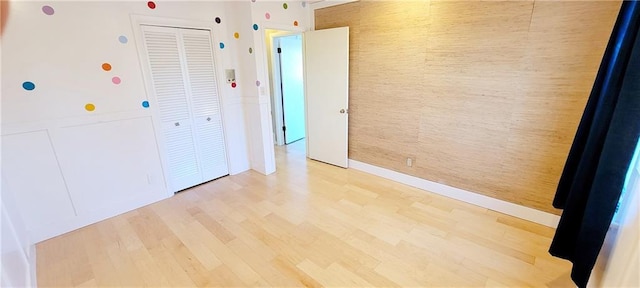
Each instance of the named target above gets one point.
<point>276,92</point>
<point>266,67</point>
<point>136,24</point>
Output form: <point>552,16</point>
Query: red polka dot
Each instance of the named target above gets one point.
<point>233,85</point>
<point>151,4</point>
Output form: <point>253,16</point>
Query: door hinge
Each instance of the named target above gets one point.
<point>284,128</point>
<point>279,50</point>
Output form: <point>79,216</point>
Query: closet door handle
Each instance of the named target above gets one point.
<point>177,124</point>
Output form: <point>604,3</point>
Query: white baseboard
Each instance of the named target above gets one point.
<point>501,206</point>
<point>33,279</point>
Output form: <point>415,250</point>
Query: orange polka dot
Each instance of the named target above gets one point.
<point>295,23</point>
<point>106,66</point>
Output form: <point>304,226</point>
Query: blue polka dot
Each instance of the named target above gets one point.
<point>221,45</point>
<point>28,85</point>
<point>145,104</point>
<point>123,39</point>
<point>255,27</point>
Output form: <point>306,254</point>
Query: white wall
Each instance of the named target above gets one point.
<point>17,258</point>
<point>68,167</point>
<point>259,107</point>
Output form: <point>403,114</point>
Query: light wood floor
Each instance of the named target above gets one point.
<point>309,224</point>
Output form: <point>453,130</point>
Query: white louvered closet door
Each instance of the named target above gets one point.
<point>205,103</point>
<point>193,151</point>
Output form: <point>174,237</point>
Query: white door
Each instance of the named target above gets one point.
<point>205,103</point>
<point>326,64</point>
<point>165,64</point>
<point>183,80</point>
<point>292,79</point>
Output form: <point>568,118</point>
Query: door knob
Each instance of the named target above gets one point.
<point>341,111</point>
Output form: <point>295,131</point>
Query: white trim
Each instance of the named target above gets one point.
<point>275,91</point>
<point>262,41</point>
<point>508,208</point>
<point>278,109</point>
<point>33,278</point>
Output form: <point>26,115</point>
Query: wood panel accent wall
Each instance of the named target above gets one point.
<point>483,96</point>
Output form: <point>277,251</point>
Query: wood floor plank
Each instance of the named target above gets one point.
<point>309,224</point>
<point>168,266</point>
<point>148,269</point>
<point>262,266</point>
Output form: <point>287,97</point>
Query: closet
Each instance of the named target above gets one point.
<point>188,118</point>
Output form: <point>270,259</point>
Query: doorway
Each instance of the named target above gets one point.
<point>325,97</point>
<point>286,76</point>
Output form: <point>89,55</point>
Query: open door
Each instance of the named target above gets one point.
<point>291,80</point>
<point>326,65</point>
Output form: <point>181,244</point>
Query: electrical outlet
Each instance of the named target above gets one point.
<point>409,162</point>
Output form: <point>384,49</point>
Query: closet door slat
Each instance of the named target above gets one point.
<point>166,66</point>
<point>205,102</point>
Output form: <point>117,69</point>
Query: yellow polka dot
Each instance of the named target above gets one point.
<point>236,35</point>
<point>90,107</point>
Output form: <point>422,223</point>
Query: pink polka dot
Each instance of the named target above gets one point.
<point>116,80</point>
<point>48,10</point>
<point>258,83</point>
<point>267,15</point>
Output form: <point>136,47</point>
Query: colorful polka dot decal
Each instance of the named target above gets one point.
<point>236,35</point>
<point>106,66</point>
<point>123,39</point>
<point>255,27</point>
<point>116,80</point>
<point>48,10</point>
<point>151,5</point>
<point>250,50</point>
<point>233,85</point>
<point>295,23</point>
<point>285,6</point>
<point>257,82</point>
<point>304,4</point>
<point>218,20</point>
<point>221,45</point>
<point>253,1</point>
<point>90,107</point>
<point>28,85</point>
<point>145,104</point>
<point>267,15</point>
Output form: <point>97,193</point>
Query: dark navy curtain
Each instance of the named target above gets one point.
<point>602,150</point>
